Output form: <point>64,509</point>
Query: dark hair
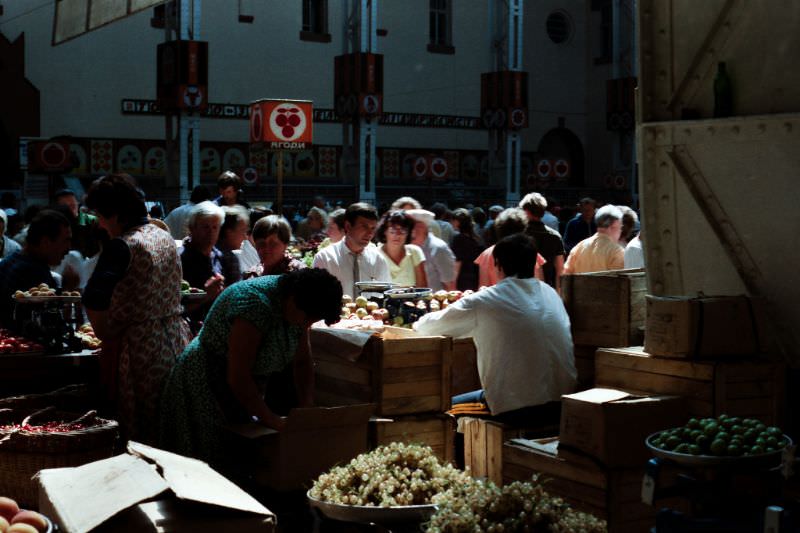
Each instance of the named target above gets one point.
<point>516,255</point>
<point>395,218</point>
<point>256,214</point>
<point>273,224</point>
<point>233,216</point>
<point>479,216</point>
<point>30,213</point>
<point>439,209</point>
<point>337,215</point>
<point>316,292</point>
<point>117,194</point>
<point>465,226</point>
<point>510,221</point>
<point>200,194</point>
<point>360,209</point>
<point>228,179</point>
<point>64,192</point>
<point>46,223</point>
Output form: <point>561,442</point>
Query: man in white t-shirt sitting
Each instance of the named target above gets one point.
<point>522,335</point>
<point>353,259</point>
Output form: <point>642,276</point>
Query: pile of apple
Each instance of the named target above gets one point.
<point>14,520</point>
<point>87,336</point>
<point>42,290</point>
<point>404,313</point>
<point>10,343</point>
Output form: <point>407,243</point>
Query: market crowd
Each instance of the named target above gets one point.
<point>177,369</point>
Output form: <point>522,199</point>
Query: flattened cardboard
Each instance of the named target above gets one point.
<point>112,494</point>
<point>315,439</point>
<point>611,425</point>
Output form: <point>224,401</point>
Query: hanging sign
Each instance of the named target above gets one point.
<point>281,124</point>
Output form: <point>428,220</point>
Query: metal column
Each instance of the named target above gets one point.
<point>359,138</point>
<point>505,45</point>
<point>188,123</point>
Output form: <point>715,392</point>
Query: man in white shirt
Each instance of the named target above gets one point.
<point>522,334</point>
<point>440,263</point>
<point>634,253</point>
<point>177,219</point>
<point>353,259</point>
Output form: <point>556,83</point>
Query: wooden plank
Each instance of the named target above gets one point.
<point>344,372</point>
<point>416,388</point>
<point>410,405</point>
<point>325,398</point>
<point>635,359</point>
<point>494,453</point>
<point>542,463</point>
<point>749,389</point>
<point>411,374</point>
<point>404,360</point>
<point>402,426</point>
<point>448,454</point>
<point>446,380</point>
<point>412,345</point>
<point>476,434</point>
<point>626,378</point>
<point>748,407</point>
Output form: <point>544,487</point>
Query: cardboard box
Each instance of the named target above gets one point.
<point>315,439</point>
<point>126,493</point>
<point>613,494</point>
<point>606,308</point>
<point>704,327</point>
<point>611,425</point>
<point>742,387</point>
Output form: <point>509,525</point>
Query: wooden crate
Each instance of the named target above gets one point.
<point>483,445</point>
<point>401,376</point>
<point>746,387</point>
<point>465,367</point>
<point>584,363</point>
<point>606,308</point>
<point>613,494</point>
<point>436,431</point>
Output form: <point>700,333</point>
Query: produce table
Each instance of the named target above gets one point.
<point>28,374</point>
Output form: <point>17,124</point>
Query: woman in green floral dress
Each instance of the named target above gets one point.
<point>255,328</point>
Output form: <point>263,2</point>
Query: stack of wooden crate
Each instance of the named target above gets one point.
<point>409,381</point>
<point>606,309</point>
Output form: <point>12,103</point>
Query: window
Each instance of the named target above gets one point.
<point>315,21</point>
<point>559,27</point>
<point>440,27</point>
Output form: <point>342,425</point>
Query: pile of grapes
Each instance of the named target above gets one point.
<point>723,436</point>
<point>391,475</point>
<point>517,507</point>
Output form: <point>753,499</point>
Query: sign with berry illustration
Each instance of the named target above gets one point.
<point>281,124</point>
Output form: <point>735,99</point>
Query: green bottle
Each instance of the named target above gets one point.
<point>723,92</point>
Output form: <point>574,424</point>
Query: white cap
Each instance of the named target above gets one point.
<point>421,215</point>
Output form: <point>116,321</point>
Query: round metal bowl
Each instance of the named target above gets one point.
<point>372,515</point>
<point>192,296</point>
<point>413,293</point>
<point>763,460</point>
<point>373,286</point>
<point>46,299</point>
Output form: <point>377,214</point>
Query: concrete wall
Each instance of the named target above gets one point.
<point>82,81</point>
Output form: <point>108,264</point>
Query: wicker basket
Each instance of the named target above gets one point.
<point>23,453</point>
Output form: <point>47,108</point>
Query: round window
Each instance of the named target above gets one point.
<point>559,27</point>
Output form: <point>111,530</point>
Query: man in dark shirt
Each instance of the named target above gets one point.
<point>582,226</point>
<point>547,239</point>
<point>229,186</point>
<point>48,241</point>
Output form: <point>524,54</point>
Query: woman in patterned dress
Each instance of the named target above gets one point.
<point>271,237</point>
<point>133,302</point>
<point>255,328</point>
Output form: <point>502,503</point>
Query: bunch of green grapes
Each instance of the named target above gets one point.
<point>481,506</point>
<point>393,475</point>
<point>722,436</point>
